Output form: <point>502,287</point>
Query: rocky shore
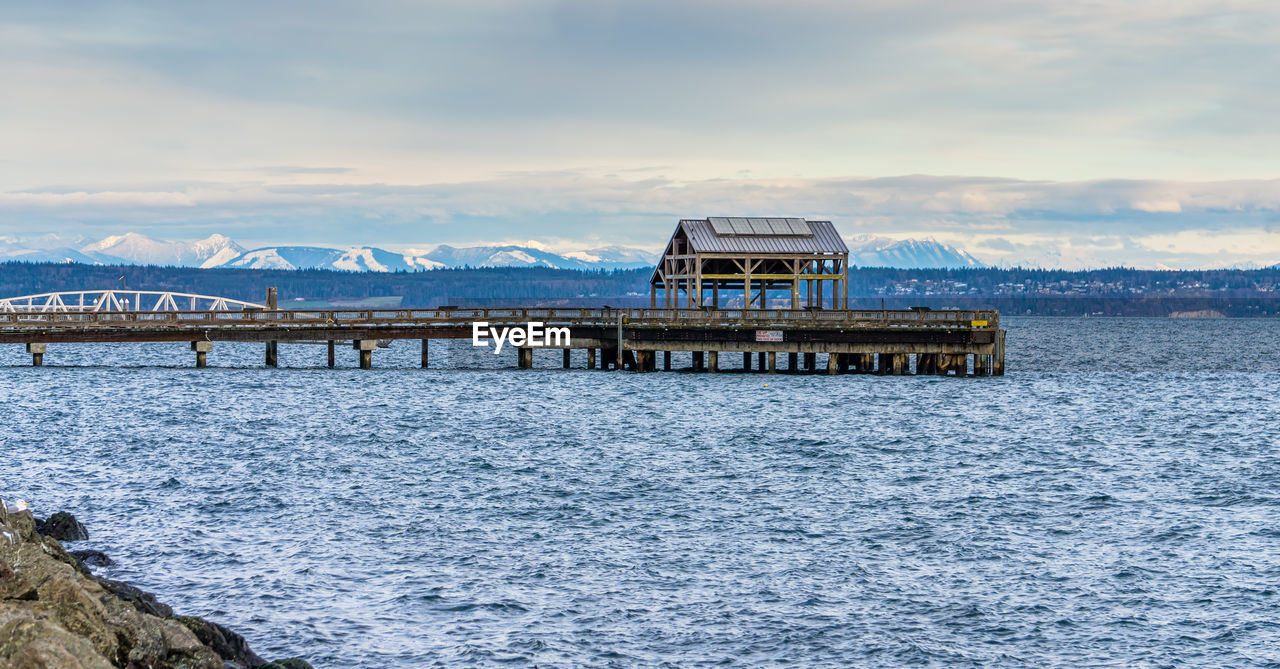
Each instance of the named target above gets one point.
<point>54,613</point>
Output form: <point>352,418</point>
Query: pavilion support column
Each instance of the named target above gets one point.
<point>962,364</point>
<point>697,361</point>
<point>773,362</point>
<point>810,361</point>
<point>37,352</point>
<point>331,355</point>
<point>760,360</point>
<point>746,362</point>
<point>273,348</point>
<point>713,361</point>
<point>591,358</point>
<point>426,353</point>
<point>981,365</point>
<point>885,363</point>
<point>568,357</point>
<point>666,361</point>
<point>833,363</point>
<point>793,362</point>
<point>900,361</point>
<point>202,349</point>
<point>524,357</point>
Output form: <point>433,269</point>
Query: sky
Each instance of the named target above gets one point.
<point>1063,134</point>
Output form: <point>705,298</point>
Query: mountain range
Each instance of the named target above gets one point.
<point>221,251</point>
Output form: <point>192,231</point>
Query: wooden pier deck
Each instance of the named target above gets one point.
<point>865,341</point>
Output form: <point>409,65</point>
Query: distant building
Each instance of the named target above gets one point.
<point>745,262</point>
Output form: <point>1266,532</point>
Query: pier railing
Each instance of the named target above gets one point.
<point>752,318</point>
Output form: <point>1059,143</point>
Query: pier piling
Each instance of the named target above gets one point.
<point>202,349</point>
<point>365,347</point>
<point>426,351</point>
<point>524,357</point>
<point>331,355</point>
<point>591,358</point>
<point>273,348</point>
<point>37,352</point>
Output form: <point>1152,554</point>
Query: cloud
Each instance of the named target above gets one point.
<point>999,220</point>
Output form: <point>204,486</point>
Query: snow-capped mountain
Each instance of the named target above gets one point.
<point>362,259</point>
<point>220,251</point>
<point>873,251</point>
<point>136,249</point>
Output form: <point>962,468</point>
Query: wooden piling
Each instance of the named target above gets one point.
<point>426,353</point>
<point>697,361</point>
<point>997,367</point>
<point>666,361</point>
<point>567,357</point>
<point>332,359</point>
<point>773,362</point>
<point>793,362</point>
<point>524,357</point>
<point>833,363</point>
<point>810,361</point>
<point>591,358</point>
<point>746,361</point>
<point>272,350</point>
<point>713,361</point>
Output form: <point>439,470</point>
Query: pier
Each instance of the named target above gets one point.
<point>892,342</point>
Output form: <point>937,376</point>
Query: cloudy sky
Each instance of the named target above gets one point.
<point>1061,134</point>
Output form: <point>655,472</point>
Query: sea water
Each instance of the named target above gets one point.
<point>1113,500</point>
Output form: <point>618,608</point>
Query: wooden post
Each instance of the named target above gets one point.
<point>885,363</point>
<point>426,350</point>
<point>961,362</point>
<point>833,363</point>
<point>981,365</point>
<point>272,360</point>
<point>591,358</point>
<point>666,361</point>
<point>713,361</point>
<point>773,362</point>
<point>793,362</point>
<point>331,356</point>
<point>202,349</point>
<point>997,368</point>
<point>760,360</point>
<point>697,361</point>
<point>524,357</point>
<point>900,361</point>
<point>567,357</point>
<point>810,362</point>
<point>746,362</point>
<point>619,352</point>
<point>37,352</point>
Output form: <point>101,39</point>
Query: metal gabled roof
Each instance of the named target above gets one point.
<point>823,238</point>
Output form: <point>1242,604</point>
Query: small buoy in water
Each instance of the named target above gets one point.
<point>766,385</point>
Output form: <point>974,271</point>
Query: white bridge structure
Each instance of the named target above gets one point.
<point>148,301</point>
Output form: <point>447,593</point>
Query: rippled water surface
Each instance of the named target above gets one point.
<point>1114,500</point>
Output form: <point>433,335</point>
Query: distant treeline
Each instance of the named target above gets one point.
<point>1232,292</point>
<point>418,289</point>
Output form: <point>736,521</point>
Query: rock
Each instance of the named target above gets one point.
<point>290,663</point>
<point>231,647</point>
<point>144,602</point>
<point>63,527</point>
<point>27,641</point>
<point>92,558</point>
